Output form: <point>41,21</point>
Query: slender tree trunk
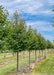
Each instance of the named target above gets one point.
<point>49,51</point>
<point>17,61</point>
<point>35,56</point>
<point>29,59</point>
<point>23,54</point>
<point>9,54</point>
<point>45,52</point>
<point>39,53</point>
<point>42,52</point>
<point>4,55</point>
<point>13,54</point>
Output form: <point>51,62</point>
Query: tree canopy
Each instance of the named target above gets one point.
<point>17,36</point>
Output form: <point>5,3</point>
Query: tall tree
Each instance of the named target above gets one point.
<point>17,37</point>
<point>35,43</point>
<point>42,43</point>
<point>29,41</point>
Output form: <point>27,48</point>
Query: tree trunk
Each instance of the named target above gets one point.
<point>42,52</point>
<point>4,55</point>
<point>48,51</point>
<point>29,59</point>
<point>45,52</point>
<point>13,54</point>
<point>17,61</point>
<point>51,50</point>
<point>23,54</point>
<point>35,57</point>
<point>39,53</point>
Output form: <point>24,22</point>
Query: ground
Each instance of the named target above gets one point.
<point>10,68</point>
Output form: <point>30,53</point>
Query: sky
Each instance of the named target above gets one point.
<point>37,13</point>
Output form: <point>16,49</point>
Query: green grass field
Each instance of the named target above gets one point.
<point>46,67</point>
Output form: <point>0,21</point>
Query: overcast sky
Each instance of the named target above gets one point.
<point>37,13</point>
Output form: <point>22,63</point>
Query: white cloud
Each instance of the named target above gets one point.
<point>47,12</point>
<point>33,7</point>
<point>41,25</point>
<point>51,1</point>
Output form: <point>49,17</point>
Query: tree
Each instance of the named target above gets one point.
<point>49,45</point>
<point>29,41</point>
<point>17,37</point>
<point>41,43</point>
<point>35,42</point>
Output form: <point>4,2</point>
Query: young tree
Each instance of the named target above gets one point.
<point>41,43</point>
<point>29,41</point>
<point>49,45</point>
<point>35,43</point>
<point>17,37</point>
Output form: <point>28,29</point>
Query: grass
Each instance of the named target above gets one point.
<point>12,57</point>
<point>47,66</point>
<point>7,54</point>
<point>6,59</point>
<point>11,67</point>
<point>9,58</point>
